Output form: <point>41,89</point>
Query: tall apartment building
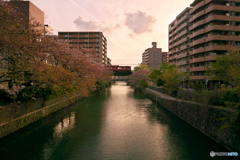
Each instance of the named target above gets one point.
<point>213,29</point>
<point>89,40</point>
<point>109,62</point>
<point>30,12</point>
<point>153,57</point>
<point>179,41</point>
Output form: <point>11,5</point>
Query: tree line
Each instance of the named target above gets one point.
<point>167,79</point>
<point>33,65</point>
<point>225,71</point>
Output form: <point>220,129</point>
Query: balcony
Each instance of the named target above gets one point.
<point>199,50</point>
<point>69,35</point>
<point>196,60</point>
<point>222,18</point>
<point>191,27</point>
<point>181,41</point>
<point>183,62</point>
<point>183,69</point>
<point>181,55</point>
<point>199,41</point>
<point>194,34</point>
<point>203,59</point>
<point>190,44</point>
<point>190,52</point>
<point>222,47</point>
<point>222,38</point>
<point>171,46</point>
<point>181,34</point>
<point>198,77</point>
<point>93,45</point>
<point>93,40</point>
<point>195,69</point>
<point>210,58</point>
<point>222,7</point>
<point>174,33</point>
<point>182,48</point>
<point>182,19</point>
<point>199,23</point>
<point>172,58</point>
<point>181,26</point>
<point>172,62</point>
<point>78,40</point>
<point>197,6</point>
<point>222,27</point>
<point>198,14</point>
<point>94,35</point>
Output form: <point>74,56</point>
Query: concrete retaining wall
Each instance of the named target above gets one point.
<point>207,119</point>
<point>15,117</point>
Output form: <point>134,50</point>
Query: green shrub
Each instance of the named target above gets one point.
<point>233,95</point>
<point>228,97</point>
<point>217,98</point>
<point>31,92</point>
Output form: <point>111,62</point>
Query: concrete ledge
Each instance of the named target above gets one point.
<point>24,120</point>
<point>205,118</point>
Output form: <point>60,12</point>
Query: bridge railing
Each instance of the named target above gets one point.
<point>118,68</point>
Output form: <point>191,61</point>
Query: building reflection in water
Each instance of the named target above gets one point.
<point>60,129</point>
<point>65,125</point>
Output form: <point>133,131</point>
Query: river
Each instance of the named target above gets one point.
<point>115,124</point>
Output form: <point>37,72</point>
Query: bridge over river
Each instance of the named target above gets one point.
<point>119,73</point>
<point>116,124</point>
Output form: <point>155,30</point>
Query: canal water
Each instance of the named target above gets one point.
<point>116,124</point>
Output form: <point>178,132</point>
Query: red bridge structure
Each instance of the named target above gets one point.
<point>120,70</point>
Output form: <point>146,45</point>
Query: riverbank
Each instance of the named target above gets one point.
<point>206,118</point>
<point>16,116</point>
<point>117,123</point>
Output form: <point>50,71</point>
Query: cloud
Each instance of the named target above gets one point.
<point>139,22</point>
<point>94,25</point>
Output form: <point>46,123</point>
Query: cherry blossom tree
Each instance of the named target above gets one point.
<point>139,78</point>
<point>30,60</point>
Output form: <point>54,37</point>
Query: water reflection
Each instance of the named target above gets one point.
<point>120,83</point>
<point>117,123</point>
<point>60,130</point>
<point>65,125</point>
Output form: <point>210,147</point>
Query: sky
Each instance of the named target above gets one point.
<point>130,26</point>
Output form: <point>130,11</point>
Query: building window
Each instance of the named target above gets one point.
<point>232,23</point>
<point>232,13</point>
<point>232,3</point>
<point>233,33</point>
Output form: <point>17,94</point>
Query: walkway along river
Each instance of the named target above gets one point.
<point>116,124</point>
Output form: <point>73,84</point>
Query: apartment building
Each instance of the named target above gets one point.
<point>31,12</point>
<point>153,57</point>
<point>179,41</point>
<point>201,32</point>
<point>215,30</point>
<point>89,40</point>
<point>109,62</point>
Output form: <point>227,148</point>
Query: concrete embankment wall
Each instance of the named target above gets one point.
<point>207,119</point>
<point>14,117</point>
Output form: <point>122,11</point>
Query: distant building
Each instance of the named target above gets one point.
<point>51,36</point>
<point>153,57</point>
<point>89,40</point>
<point>30,12</point>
